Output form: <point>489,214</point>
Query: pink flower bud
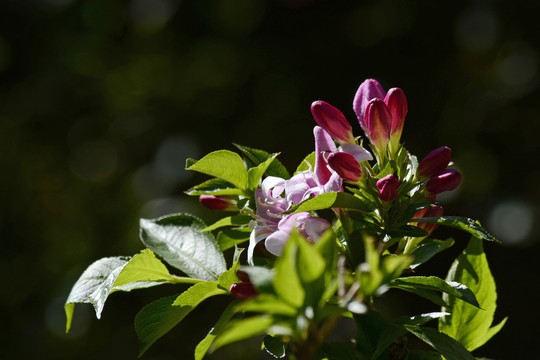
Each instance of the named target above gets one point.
<point>217,203</point>
<point>333,121</point>
<point>388,187</point>
<point>397,104</point>
<point>444,180</point>
<point>370,89</point>
<point>243,291</point>
<point>345,165</point>
<point>430,211</point>
<point>434,162</point>
<point>378,120</point>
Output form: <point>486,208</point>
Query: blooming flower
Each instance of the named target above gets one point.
<point>307,225</point>
<point>388,188</point>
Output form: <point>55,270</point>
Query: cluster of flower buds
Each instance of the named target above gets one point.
<point>434,169</point>
<point>244,289</point>
<point>381,115</point>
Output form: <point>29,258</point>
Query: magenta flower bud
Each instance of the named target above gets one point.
<point>430,211</point>
<point>217,203</point>
<point>345,165</point>
<point>434,162</point>
<point>378,120</point>
<point>243,291</point>
<point>396,102</point>
<point>444,180</point>
<point>370,89</point>
<point>333,121</point>
<point>388,187</point>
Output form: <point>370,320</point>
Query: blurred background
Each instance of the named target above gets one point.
<point>102,101</point>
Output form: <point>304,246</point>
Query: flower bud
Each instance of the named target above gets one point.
<point>430,211</point>
<point>333,121</point>
<point>434,162</point>
<point>370,89</point>
<point>217,203</point>
<point>444,180</point>
<point>345,165</point>
<point>243,291</point>
<point>388,187</point>
<point>378,120</point>
<point>396,102</point>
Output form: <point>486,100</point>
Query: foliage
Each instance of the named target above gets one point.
<point>303,273</point>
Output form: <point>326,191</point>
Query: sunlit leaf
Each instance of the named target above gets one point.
<point>223,164</point>
<point>471,226</point>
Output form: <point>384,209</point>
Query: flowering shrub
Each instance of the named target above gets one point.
<point>302,271</point>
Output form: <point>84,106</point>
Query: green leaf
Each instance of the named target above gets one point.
<point>471,226</point>
<point>452,288</point>
<point>330,200</point>
<point>159,317</point>
<point>257,157</point>
<point>223,164</point>
<point>448,347</point>
<point>274,346</point>
<point>94,285</point>
<point>179,240</point>
<point>242,329</point>
<point>215,187</point>
<point>303,166</point>
<point>336,351</point>
<point>287,280</point>
<point>255,174</point>
<point>427,249</point>
<point>205,344</point>
<point>230,237</point>
<point>236,220</point>
<point>229,277</point>
<point>408,230</point>
<point>262,278</point>
<point>467,324</point>
<point>266,303</point>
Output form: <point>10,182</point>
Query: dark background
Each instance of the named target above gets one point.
<point>102,101</point>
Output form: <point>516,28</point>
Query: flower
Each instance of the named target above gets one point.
<point>345,165</point>
<point>396,102</point>
<point>378,121</point>
<point>388,188</point>
<point>217,203</point>
<point>368,90</point>
<point>434,162</point>
<point>243,291</point>
<point>307,225</point>
<point>332,121</point>
<point>444,180</point>
<point>430,211</point>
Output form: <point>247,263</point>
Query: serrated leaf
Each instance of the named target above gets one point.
<point>452,288</point>
<point>307,163</point>
<point>223,164</point>
<point>94,285</point>
<point>256,173</point>
<point>204,345</point>
<point>236,220</point>
<point>427,249</point>
<point>471,226</point>
<point>215,187</point>
<point>242,329</point>
<point>257,157</point>
<point>179,240</point>
<point>448,347</point>
<point>159,317</point>
<point>330,200</point>
<point>469,325</point>
<point>231,237</point>
<point>229,277</point>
